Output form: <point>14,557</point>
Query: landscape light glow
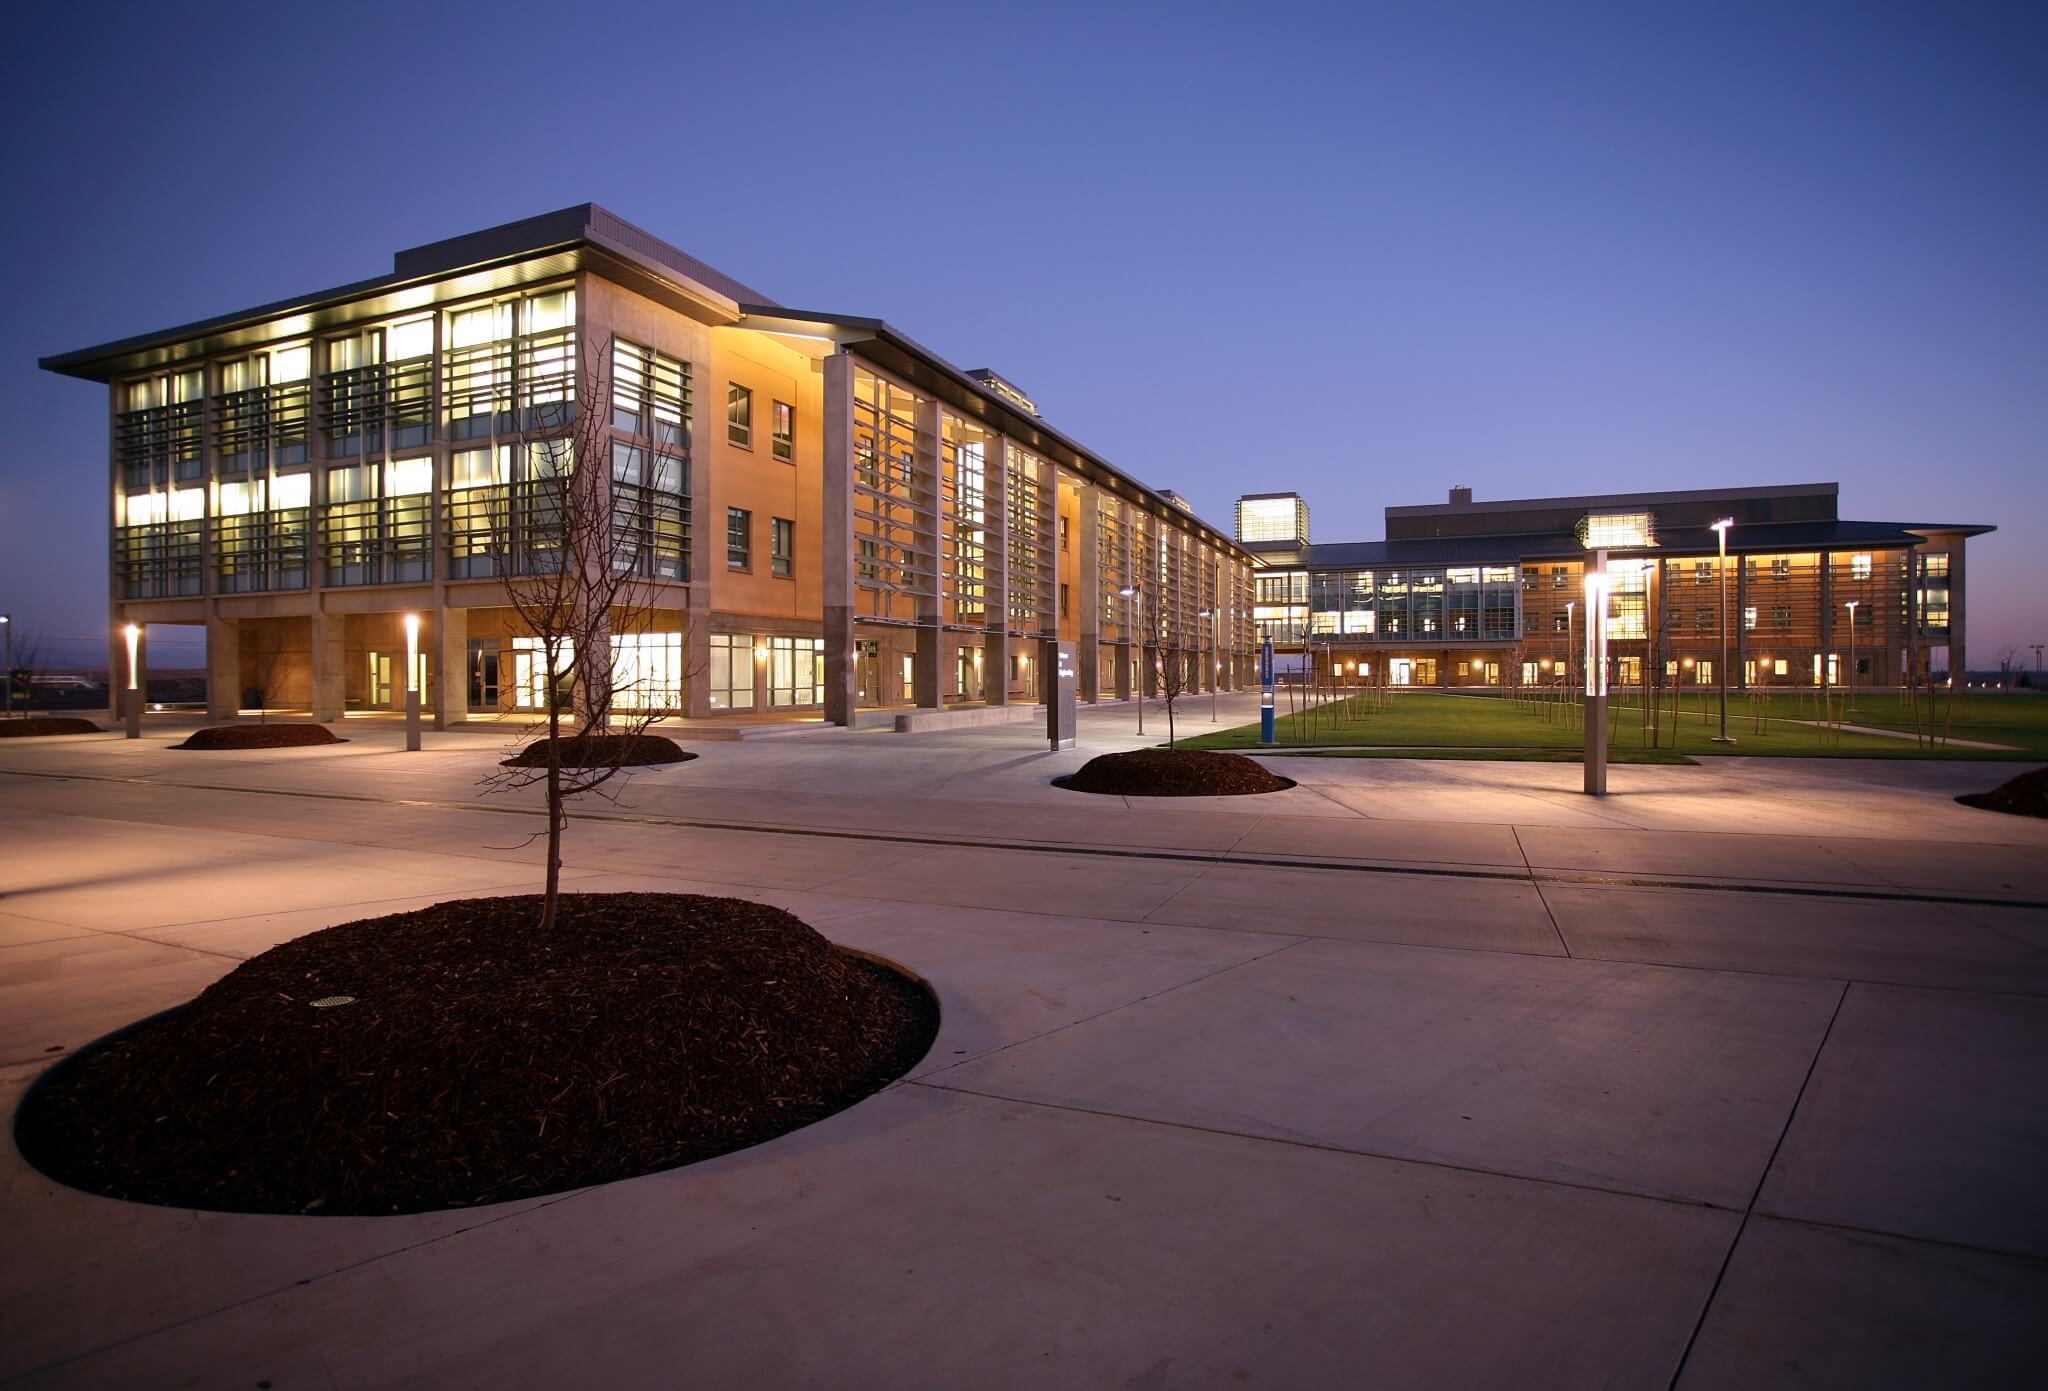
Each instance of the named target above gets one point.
<point>134,636</point>
<point>412,652</point>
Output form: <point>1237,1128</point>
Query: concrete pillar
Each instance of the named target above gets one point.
<point>1087,593</point>
<point>842,689</point>
<point>224,668</point>
<point>927,487</point>
<point>448,667</point>
<point>995,570</point>
<point>330,682</point>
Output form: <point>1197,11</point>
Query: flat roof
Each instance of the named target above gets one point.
<point>1591,501</point>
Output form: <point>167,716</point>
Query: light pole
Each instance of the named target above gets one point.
<point>134,636</point>
<point>1596,676</point>
<point>1137,591</point>
<point>1721,669</point>
<point>1210,657</point>
<point>7,624</point>
<point>412,683</point>
<point>1850,605</point>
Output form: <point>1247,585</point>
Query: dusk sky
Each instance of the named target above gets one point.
<point>1364,252</point>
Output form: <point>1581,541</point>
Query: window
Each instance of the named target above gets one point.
<point>1935,566</point>
<point>1618,530</point>
<point>1702,572</point>
<point>796,671</point>
<point>1781,619</point>
<point>1065,537</point>
<point>529,672</point>
<point>647,671</point>
<point>781,546</point>
<point>1703,620</point>
<point>739,538</point>
<point>784,443</point>
<point>732,672</point>
<point>1462,576</point>
<point>739,415</point>
<point>1778,667</point>
<point>1859,566</point>
<point>1749,618</point>
<point>1066,591</point>
<point>1781,567</point>
<point>483,673</point>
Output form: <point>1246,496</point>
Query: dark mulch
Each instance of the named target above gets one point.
<point>260,736</point>
<point>481,1060</point>
<point>603,751</point>
<point>2025,795</point>
<point>32,728</point>
<point>1173,773</point>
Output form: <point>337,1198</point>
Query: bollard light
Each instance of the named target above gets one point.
<point>412,683</point>
<point>133,632</point>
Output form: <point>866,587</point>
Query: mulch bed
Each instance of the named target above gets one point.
<point>33,728</point>
<point>603,751</point>
<point>481,1060</point>
<point>2025,795</point>
<point>260,736</point>
<point>1173,773</point>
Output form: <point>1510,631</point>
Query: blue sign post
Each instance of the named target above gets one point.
<point>1266,691</point>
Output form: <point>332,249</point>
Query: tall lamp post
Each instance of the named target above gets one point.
<point>1721,668</point>
<point>1850,605</point>
<point>1596,676</point>
<point>1137,591</point>
<point>134,636</point>
<point>412,683</point>
<point>1209,656</point>
<point>7,625</point>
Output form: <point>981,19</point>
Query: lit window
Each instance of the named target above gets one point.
<point>1617,530</point>
<point>408,477</point>
<point>739,415</point>
<point>785,430</point>
<point>781,546</point>
<point>1934,566</point>
<point>1778,667</point>
<point>294,490</point>
<point>240,499</point>
<point>1749,618</point>
<point>1859,566</point>
<point>479,468</point>
<point>414,338</point>
<point>1464,576</point>
<point>291,364</point>
<point>550,311</point>
<point>188,504</point>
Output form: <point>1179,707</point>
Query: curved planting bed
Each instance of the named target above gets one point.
<point>260,736</point>
<point>604,751</point>
<point>458,1055</point>
<point>2025,795</point>
<point>1173,773</point>
<point>42,725</point>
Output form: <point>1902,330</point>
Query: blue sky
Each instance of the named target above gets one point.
<point>1362,251</point>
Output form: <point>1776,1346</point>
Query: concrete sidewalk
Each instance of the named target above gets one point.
<point>1422,1076</point>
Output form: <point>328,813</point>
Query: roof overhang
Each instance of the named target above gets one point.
<point>391,295</point>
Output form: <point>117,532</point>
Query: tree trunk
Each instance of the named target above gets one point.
<point>552,892</point>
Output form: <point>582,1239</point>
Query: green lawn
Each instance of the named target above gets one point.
<point>1989,717</point>
<point>1429,725</point>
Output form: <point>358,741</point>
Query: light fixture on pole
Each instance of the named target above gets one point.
<point>1596,676</point>
<point>1721,610</point>
<point>1850,605</point>
<point>134,636</point>
<point>412,683</point>
<point>1565,666</point>
<point>1132,591</point>
<point>1208,655</point>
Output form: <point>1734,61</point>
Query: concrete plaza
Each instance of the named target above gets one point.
<point>1421,1074</point>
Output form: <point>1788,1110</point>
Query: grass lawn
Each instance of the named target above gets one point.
<point>1990,717</point>
<point>1429,725</point>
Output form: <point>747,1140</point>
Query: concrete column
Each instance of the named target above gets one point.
<point>927,487</point>
<point>448,667</point>
<point>995,567</point>
<point>223,668</point>
<point>330,685</point>
<point>842,689</point>
<point>1087,591</point>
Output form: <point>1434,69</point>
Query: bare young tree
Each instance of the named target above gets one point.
<point>572,552</point>
<point>1175,668</point>
<point>267,668</point>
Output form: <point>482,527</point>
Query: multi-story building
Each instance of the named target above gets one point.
<point>854,523</point>
<point>1465,593</point>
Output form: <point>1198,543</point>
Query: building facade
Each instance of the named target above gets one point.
<point>823,515</point>
<point>1465,593</point>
